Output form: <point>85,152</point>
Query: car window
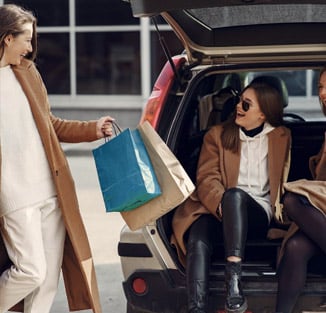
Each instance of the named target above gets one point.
<point>302,91</point>
<point>259,14</point>
<point>204,106</point>
<point>301,87</point>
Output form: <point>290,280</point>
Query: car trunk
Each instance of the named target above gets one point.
<point>220,32</point>
<point>259,267</point>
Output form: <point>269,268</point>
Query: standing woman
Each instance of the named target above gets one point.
<point>305,205</point>
<point>40,223</point>
<point>242,166</point>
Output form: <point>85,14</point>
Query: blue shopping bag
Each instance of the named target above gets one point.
<point>125,172</point>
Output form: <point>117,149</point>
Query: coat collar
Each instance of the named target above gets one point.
<point>24,65</point>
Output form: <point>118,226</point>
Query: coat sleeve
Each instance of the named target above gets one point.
<point>209,176</point>
<point>74,131</point>
<point>279,213</point>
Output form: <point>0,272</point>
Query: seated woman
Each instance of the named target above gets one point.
<point>305,205</point>
<point>242,166</point>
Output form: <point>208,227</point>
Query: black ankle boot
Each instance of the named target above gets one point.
<point>235,300</point>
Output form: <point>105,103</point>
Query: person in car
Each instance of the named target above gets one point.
<point>241,169</point>
<point>41,226</point>
<point>305,204</point>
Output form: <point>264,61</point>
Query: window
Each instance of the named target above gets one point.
<point>103,12</point>
<point>96,47</point>
<point>53,62</point>
<point>48,13</point>
<point>108,62</point>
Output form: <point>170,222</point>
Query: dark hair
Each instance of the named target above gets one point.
<point>12,20</point>
<point>321,72</point>
<point>270,103</point>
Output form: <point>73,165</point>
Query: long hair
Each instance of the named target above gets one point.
<point>323,107</point>
<point>12,20</point>
<point>270,103</point>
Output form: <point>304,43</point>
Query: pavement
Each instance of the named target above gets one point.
<point>103,231</point>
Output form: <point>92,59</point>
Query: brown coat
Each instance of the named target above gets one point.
<point>78,268</point>
<point>218,170</point>
<point>314,191</point>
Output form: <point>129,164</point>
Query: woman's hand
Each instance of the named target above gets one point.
<point>219,211</point>
<point>104,127</point>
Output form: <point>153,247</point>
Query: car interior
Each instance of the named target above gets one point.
<point>211,102</point>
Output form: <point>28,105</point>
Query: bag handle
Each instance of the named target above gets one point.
<point>116,129</point>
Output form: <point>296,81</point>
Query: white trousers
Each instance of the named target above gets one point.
<point>34,238</point>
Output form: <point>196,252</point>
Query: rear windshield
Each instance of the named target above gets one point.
<point>257,14</point>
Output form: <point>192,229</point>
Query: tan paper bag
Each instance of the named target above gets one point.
<point>175,183</point>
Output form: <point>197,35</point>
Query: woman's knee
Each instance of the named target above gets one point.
<point>38,278</point>
<point>35,274</point>
<point>233,194</point>
<point>292,246</point>
<point>234,204</point>
<point>291,203</point>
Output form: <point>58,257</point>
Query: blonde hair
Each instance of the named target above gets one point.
<point>12,20</point>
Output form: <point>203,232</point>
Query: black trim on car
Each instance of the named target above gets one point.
<point>137,250</point>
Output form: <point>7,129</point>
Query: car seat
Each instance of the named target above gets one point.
<point>223,104</point>
<point>216,107</point>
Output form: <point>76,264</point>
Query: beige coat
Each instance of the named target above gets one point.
<point>218,169</point>
<point>78,268</point>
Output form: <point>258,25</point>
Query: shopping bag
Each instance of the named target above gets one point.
<point>125,172</point>
<point>174,181</point>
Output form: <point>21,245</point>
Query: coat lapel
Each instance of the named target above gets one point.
<point>232,166</point>
<point>277,156</point>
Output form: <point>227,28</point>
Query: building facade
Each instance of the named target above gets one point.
<point>96,58</point>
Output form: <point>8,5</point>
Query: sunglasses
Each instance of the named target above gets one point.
<point>245,105</point>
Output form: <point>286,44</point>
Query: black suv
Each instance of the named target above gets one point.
<point>227,44</point>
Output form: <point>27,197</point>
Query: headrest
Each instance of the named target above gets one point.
<point>277,83</point>
<point>230,98</point>
<point>223,104</point>
<point>232,80</point>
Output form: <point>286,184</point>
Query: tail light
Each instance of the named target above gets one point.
<point>160,92</point>
<point>139,286</point>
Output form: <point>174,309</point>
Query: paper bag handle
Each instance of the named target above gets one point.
<point>116,129</point>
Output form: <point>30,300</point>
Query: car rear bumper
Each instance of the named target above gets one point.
<point>166,293</point>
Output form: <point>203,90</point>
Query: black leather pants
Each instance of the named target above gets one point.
<point>238,210</point>
<point>200,245</point>
<point>309,242</point>
<point>242,218</point>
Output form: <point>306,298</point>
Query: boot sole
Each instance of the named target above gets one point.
<point>242,309</point>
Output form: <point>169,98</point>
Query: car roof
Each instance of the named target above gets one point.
<point>215,30</point>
